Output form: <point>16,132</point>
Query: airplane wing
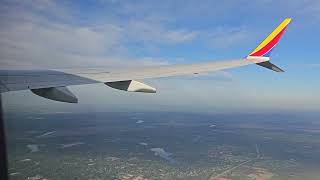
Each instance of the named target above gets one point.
<point>52,84</point>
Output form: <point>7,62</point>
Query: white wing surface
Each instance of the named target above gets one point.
<point>14,80</point>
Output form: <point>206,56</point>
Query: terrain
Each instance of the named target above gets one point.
<point>153,145</point>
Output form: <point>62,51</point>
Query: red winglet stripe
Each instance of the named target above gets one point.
<point>270,45</point>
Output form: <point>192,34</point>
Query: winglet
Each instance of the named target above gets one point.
<point>263,51</point>
<point>269,65</point>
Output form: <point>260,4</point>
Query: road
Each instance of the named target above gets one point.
<point>235,167</point>
<point>230,169</point>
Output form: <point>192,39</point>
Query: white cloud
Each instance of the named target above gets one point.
<point>150,32</point>
<point>56,44</point>
<point>308,10</point>
<point>38,36</point>
<point>226,37</point>
<point>305,65</point>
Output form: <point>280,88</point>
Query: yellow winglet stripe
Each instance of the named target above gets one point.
<point>273,34</point>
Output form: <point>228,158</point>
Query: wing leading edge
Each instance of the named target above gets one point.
<point>52,84</point>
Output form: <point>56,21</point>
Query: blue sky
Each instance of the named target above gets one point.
<point>105,33</point>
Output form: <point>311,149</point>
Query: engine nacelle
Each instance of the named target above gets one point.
<point>61,94</point>
<point>131,86</point>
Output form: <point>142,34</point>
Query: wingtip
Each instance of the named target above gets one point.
<point>288,20</point>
